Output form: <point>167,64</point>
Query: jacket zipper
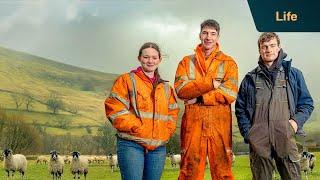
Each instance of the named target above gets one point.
<point>154,88</point>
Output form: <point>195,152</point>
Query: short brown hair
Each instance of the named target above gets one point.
<point>267,36</point>
<point>210,23</point>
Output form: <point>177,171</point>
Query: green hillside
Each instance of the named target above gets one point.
<point>82,91</point>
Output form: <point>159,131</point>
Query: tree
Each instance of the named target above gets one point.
<point>3,117</point>
<point>63,123</point>
<point>107,139</point>
<point>174,144</point>
<point>73,108</point>
<point>28,100</point>
<point>19,136</point>
<point>88,128</point>
<point>54,103</point>
<point>88,86</point>
<point>18,100</point>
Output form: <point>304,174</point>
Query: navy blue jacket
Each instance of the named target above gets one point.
<point>299,98</point>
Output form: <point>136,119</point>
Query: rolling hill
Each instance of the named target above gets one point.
<point>82,91</point>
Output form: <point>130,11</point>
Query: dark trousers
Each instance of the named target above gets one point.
<point>263,168</point>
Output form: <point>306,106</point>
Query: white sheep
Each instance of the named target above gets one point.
<point>67,159</point>
<point>42,159</point>
<point>17,162</point>
<point>113,161</point>
<point>56,164</point>
<point>102,159</point>
<point>79,165</point>
<point>91,159</point>
<point>175,159</point>
<point>233,158</point>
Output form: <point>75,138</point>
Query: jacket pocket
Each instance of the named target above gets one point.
<point>137,130</point>
<point>143,100</point>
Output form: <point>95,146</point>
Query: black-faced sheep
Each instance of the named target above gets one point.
<point>17,162</point>
<point>79,165</point>
<point>113,161</point>
<point>305,163</point>
<point>312,161</point>
<point>56,164</point>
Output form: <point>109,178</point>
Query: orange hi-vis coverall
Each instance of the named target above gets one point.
<point>206,127</point>
<point>141,111</point>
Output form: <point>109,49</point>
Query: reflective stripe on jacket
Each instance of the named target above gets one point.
<point>141,112</point>
<point>191,81</point>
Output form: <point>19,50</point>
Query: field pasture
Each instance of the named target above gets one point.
<point>241,171</point>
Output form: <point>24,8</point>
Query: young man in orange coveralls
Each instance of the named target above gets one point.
<point>207,82</point>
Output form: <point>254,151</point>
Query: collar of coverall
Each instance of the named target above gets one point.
<point>200,57</point>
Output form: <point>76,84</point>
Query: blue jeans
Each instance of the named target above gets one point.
<point>136,164</point>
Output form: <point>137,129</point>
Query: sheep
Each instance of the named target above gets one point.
<point>101,159</point>
<point>305,163</point>
<point>56,164</point>
<point>17,162</point>
<point>175,159</point>
<point>312,161</point>
<point>79,165</point>
<point>91,159</point>
<point>67,159</point>
<point>233,158</point>
<point>42,159</point>
<point>113,161</point>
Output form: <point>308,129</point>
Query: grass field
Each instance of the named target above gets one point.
<point>241,171</point>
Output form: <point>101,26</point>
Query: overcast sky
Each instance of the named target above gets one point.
<point>105,35</point>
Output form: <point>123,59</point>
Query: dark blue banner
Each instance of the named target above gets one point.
<point>286,15</point>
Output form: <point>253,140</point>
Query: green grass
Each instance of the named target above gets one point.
<point>241,171</point>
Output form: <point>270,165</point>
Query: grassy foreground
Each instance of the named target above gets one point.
<point>241,171</point>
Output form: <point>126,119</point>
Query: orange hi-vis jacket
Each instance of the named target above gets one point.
<point>141,112</point>
<point>194,78</point>
<point>206,127</point>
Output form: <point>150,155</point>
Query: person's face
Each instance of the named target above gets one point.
<point>269,50</point>
<point>209,37</point>
<point>149,59</point>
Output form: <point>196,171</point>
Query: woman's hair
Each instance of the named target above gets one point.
<point>150,45</point>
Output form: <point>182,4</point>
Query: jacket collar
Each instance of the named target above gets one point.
<point>283,59</point>
<point>157,79</point>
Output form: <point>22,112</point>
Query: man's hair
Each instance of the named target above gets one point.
<point>210,23</point>
<point>267,36</point>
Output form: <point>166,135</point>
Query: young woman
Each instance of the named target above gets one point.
<point>143,109</point>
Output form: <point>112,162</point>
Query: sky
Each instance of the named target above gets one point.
<point>105,35</point>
